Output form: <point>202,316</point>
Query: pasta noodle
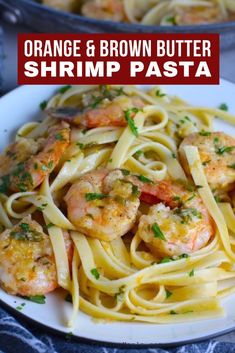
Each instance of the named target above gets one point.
<point>152,12</point>
<point>129,278</point>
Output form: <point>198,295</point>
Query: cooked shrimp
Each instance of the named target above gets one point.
<point>179,224</point>
<point>103,204</point>
<point>193,15</point>
<point>104,9</point>
<point>217,152</point>
<point>25,163</point>
<point>27,264</point>
<point>100,109</point>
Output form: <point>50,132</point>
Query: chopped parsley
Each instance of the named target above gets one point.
<point>80,145</point>
<point>42,207</point>
<point>84,131</point>
<point>138,154</point>
<point>59,137</point>
<point>50,165</point>
<point>130,121</point>
<point>187,214</point>
<point>174,155</point>
<point>125,172</point>
<point>50,225</point>
<point>95,196</point>
<point>191,273</point>
<point>43,105</point>
<point>26,234</point>
<point>120,294</point>
<point>176,198</point>
<point>168,293</point>
<point>24,177</point>
<point>96,101</point>
<point>157,232</point>
<point>223,106</point>
<point>105,93</point>
<point>166,260</point>
<point>20,307</point>
<point>172,312</point>
<point>231,166</point>
<point>22,187</point>
<point>64,89</point>
<point>217,198</point>
<point>120,92</point>
<point>169,259</point>
<point>25,227</point>
<point>135,191</point>
<point>4,187</point>
<point>191,197</point>
<point>222,149</point>
<point>171,20</point>
<point>144,179</point>
<point>12,155</point>
<point>95,273</point>
<point>206,162</point>
<point>88,145</point>
<point>68,298</point>
<point>183,256</point>
<point>204,133</point>
<point>39,299</point>
<point>160,94</point>
<point>20,168</point>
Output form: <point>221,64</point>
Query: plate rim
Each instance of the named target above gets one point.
<point>85,340</point>
<point>100,342</point>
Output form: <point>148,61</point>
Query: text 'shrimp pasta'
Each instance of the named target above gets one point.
<point>65,59</point>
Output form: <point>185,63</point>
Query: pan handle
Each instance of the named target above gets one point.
<point>9,13</point>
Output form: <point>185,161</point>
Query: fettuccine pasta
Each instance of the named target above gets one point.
<point>124,198</point>
<point>152,12</point>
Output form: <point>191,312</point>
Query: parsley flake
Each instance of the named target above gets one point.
<point>120,294</point>
<point>38,299</point>
<point>64,89</point>
<point>130,121</point>
<point>166,260</point>
<point>204,133</point>
<point>157,232</point>
<point>94,196</point>
<point>125,172</point>
<point>59,137</point>
<point>191,273</point>
<point>224,107</point>
<point>135,191</point>
<point>43,105</point>
<point>160,94</point>
<point>168,293</point>
<point>144,179</point>
<point>95,273</point>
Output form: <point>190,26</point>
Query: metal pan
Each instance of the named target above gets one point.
<point>45,19</point>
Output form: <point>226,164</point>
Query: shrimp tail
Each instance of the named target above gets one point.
<point>70,114</point>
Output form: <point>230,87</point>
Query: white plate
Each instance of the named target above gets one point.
<point>21,105</point>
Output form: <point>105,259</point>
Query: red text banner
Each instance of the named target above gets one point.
<point>118,59</point>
